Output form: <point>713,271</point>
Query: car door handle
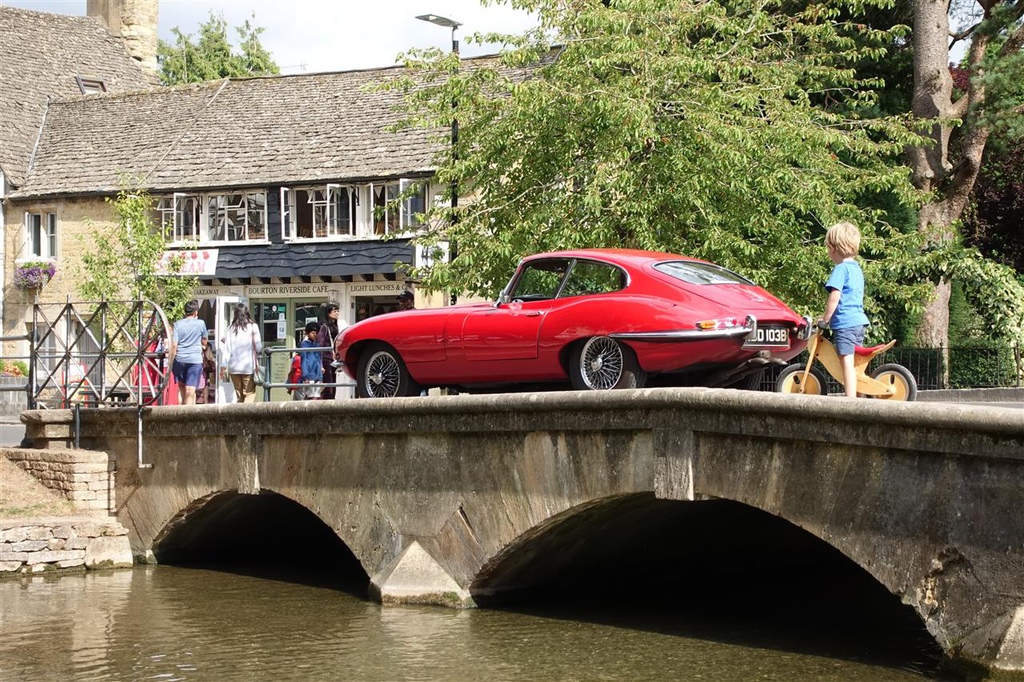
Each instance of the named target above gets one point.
<point>532,313</point>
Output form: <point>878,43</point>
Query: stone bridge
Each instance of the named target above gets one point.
<point>458,500</point>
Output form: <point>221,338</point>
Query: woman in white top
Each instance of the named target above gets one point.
<point>241,347</point>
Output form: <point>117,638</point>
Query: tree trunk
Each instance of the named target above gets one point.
<point>949,181</point>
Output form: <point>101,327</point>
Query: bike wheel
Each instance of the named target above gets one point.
<point>791,380</point>
<point>899,378</point>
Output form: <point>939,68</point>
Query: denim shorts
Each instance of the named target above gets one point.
<point>845,339</point>
<point>187,373</point>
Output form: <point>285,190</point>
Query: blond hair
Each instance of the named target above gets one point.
<point>844,239</point>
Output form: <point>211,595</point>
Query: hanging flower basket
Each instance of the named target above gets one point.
<point>33,274</point>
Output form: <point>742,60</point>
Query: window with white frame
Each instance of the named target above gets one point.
<point>319,212</point>
<point>391,217</point>
<point>41,235</point>
<point>179,216</point>
<point>236,217</point>
<point>361,211</point>
<point>222,217</point>
<point>91,86</point>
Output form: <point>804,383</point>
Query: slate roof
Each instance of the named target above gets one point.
<point>323,259</point>
<point>230,133</point>
<point>40,55</point>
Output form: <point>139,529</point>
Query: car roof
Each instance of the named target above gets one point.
<point>624,257</point>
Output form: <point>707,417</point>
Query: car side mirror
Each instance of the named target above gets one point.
<point>502,298</point>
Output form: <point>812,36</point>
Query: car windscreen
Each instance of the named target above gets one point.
<point>693,272</point>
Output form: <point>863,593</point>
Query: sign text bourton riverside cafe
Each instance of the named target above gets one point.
<point>203,263</point>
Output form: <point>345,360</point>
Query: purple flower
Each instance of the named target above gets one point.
<point>34,274</point>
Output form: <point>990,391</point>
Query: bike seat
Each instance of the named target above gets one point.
<point>861,350</point>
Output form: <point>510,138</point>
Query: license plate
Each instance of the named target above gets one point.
<point>767,335</point>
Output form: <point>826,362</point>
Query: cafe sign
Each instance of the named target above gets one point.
<point>376,288</point>
<point>195,263</point>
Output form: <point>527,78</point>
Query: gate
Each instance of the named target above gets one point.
<point>85,354</point>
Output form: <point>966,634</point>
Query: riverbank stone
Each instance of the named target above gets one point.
<point>109,552</point>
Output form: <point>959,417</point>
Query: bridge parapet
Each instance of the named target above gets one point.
<point>437,497</point>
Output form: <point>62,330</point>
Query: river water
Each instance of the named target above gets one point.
<point>170,623</point>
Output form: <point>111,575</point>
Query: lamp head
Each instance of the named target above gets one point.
<point>440,21</point>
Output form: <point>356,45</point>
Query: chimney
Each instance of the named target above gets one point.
<point>135,22</point>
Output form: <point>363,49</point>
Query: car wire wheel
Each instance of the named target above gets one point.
<point>602,363</point>
<point>383,375</point>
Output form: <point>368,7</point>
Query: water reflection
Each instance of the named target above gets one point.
<point>195,624</point>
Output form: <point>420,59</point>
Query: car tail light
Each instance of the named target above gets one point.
<point>725,323</point>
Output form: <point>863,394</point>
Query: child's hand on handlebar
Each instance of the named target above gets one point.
<point>822,324</point>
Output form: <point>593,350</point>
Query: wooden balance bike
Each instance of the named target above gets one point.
<point>887,382</point>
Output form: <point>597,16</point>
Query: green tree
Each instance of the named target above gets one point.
<point>212,56</point>
<point>993,222</point>
<point>961,121</point>
<point>123,263</point>
<point>730,131</point>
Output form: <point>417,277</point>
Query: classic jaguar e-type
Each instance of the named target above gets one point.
<point>591,318</point>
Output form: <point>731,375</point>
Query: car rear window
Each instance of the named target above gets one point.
<point>693,272</point>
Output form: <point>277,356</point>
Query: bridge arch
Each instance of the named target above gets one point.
<point>708,558</point>
<point>229,528</point>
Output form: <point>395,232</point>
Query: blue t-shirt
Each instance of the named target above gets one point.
<point>848,279</point>
<point>189,333</point>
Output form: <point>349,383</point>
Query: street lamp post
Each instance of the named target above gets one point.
<point>454,187</point>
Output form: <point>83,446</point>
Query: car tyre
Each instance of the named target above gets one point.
<point>900,378</point>
<point>381,373</point>
<point>601,363</point>
<point>790,378</point>
<point>751,382</point>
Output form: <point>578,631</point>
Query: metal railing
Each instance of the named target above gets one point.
<point>268,352</point>
<point>24,386</point>
<point>93,354</point>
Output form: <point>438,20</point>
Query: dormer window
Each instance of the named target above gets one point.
<point>91,86</point>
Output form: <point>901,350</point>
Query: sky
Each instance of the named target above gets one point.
<point>307,36</point>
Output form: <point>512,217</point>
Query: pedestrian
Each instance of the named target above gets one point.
<point>406,301</point>
<point>295,376</point>
<point>188,339</point>
<point>241,347</point>
<point>206,393</point>
<point>325,339</point>
<point>312,367</point>
<point>844,309</point>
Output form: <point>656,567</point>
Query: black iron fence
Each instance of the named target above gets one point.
<point>935,368</point>
<point>90,354</point>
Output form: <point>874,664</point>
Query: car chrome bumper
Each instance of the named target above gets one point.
<point>691,334</point>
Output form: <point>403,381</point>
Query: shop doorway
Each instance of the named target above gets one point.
<point>371,306</point>
<point>273,318</point>
<point>306,312</point>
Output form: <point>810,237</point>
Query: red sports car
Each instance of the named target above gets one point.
<point>593,318</point>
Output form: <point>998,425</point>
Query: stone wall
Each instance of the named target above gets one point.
<point>77,220</point>
<point>82,476</point>
<point>91,540</point>
<point>37,545</point>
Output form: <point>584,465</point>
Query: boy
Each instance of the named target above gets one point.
<point>844,309</point>
<point>312,369</point>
